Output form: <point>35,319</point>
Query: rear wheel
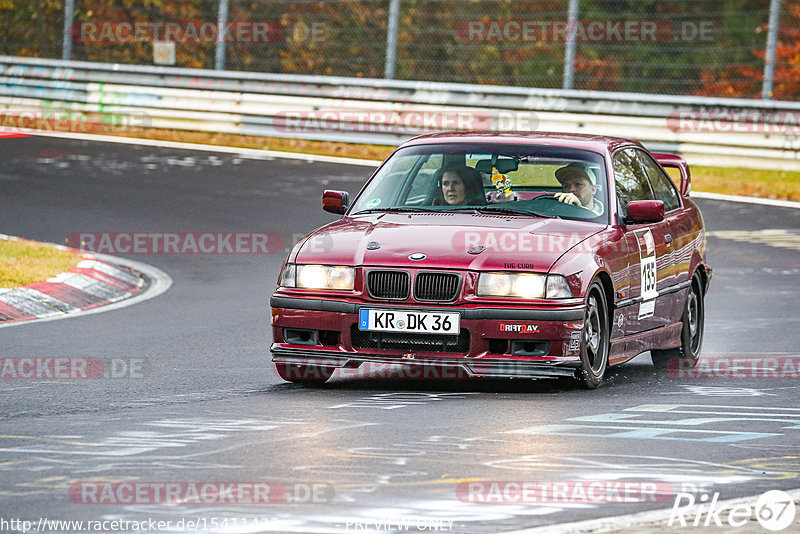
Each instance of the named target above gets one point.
<point>691,334</point>
<point>309,374</point>
<point>594,338</point>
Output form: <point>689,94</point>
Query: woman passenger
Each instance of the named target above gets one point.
<point>460,186</point>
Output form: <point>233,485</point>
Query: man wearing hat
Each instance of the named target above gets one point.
<point>578,187</point>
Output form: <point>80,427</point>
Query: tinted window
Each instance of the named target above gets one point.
<point>662,185</point>
<point>631,180</point>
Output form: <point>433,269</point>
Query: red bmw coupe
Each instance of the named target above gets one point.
<point>493,254</point>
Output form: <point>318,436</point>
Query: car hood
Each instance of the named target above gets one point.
<point>388,239</point>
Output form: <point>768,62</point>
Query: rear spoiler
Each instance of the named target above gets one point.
<point>677,162</point>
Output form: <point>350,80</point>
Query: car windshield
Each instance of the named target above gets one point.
<point>513,180</point>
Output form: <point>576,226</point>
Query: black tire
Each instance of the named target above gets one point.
<point>595,338</point>
<point>693,320</point>
<point>308,374</point>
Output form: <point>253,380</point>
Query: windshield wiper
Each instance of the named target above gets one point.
<point>510,211</point>
<point>393,210</point>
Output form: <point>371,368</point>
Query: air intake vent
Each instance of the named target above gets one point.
<point>436,287</point>
<point>401,341</point>
<point>389,285</point>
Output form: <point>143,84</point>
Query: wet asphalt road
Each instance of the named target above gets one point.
<point>210,408</point>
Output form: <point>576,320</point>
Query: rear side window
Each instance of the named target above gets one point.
<point>630,179</point>
<point>663,188</point>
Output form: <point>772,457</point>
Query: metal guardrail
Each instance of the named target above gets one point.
<point>707,131</point>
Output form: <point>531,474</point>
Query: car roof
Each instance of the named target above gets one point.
<point>597,143</point>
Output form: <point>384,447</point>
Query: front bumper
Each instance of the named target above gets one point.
<point>425,368</point>
<point>525,342</point>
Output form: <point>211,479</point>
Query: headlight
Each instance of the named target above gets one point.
<point>523,285</point>
<point>319,277</point>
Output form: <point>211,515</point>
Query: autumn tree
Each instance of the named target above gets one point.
<point>746,81</point>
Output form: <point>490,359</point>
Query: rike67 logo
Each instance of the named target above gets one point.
<point>774,510</point>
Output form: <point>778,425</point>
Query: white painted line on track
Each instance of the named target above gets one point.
<point>334,159</point>
<point>642,519</point>
<point>159,283</point>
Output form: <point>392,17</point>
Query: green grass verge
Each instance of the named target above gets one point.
<point>783,185</point>
<point>26,262</point>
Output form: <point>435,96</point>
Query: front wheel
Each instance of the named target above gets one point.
<point>693,320</point>
<point>309,374</point>
<point>594,338</point>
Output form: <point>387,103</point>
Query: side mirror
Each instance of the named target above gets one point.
<point>645,211</point>
<point>677,162</point>
<point>335,201</point>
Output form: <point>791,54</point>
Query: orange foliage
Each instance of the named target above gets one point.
<point>744,81</point>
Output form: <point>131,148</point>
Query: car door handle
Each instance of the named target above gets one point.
<point>667,238</point>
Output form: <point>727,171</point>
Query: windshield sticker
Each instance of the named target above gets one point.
<point>501,182</point>
<point>649,273</point>
<point>374,203</point>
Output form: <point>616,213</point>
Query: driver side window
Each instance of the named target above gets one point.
<point>630,179</point>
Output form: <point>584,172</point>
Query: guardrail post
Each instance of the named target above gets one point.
<point>391,38</point>
<point>66,43</point>
<point>569,50</point>
<point>772,39</point>
<point>222,21</point>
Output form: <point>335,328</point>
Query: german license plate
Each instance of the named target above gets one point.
<point>409,321</point>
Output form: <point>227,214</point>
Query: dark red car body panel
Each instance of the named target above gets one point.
<point>581,251</point>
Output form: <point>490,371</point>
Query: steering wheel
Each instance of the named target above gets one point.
<point>568,210</point>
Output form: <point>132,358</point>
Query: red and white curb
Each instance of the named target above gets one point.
<point>98,283</point>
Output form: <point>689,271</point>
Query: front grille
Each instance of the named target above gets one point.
<point>410,342</point>
<point>389,285</point>
<point>436,287</point>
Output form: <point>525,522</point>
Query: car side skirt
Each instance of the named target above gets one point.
<point>628,347</point>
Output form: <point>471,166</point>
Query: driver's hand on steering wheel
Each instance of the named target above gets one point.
<point>568,198</point>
